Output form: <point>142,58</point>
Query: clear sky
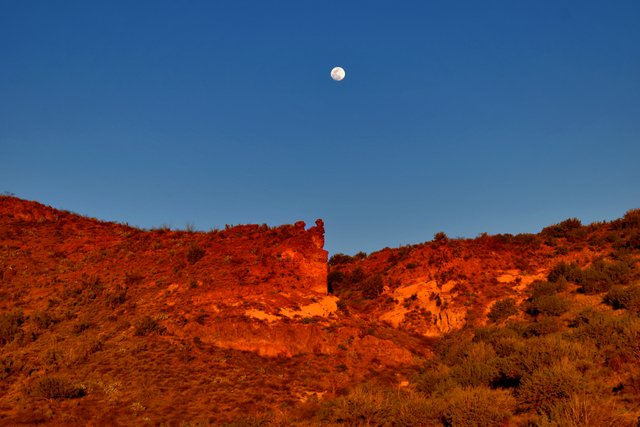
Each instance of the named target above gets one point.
<point>463,117</point>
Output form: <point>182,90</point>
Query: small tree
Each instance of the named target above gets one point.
<point>502,310</point>
<point>549,305</point>
<point>148,325</point>
<point>624,297</point>
<point>440,237</point>
<point>194,254</point>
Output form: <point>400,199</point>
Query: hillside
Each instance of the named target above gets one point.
<point>106,324</point>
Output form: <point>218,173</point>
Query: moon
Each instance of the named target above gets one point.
<point>338,73</point>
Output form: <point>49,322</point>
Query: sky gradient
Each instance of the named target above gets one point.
<point>463,117</point>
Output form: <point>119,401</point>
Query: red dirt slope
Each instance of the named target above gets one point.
<point>105,323</point>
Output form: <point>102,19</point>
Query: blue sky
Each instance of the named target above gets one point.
<point>463,117</point>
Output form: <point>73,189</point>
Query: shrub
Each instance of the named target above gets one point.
<point>80,327</point>
<point>42,319</point>
<point>602,275</point>
<point>548,305</point>
<point>434,378</point>
<point>624,297</point>
<point>440,237</point>
<point>478,367</point>
<point>478,406</point>
<point>357,275</point>
<point>132,278</point>
<point>502,310</point>
<point>148,325</point>
<point>494,334</point>
<point>372,286</point>
<point>91,286</point>
<point>630,221</point>
<point>541,288</point>
<point>53,387</point>
<point>370,404</point>
<point>52,356</point>
<point>569,272</point>
<point>617,338</point>
<point>342,284</point>
<point>583,410</point>
<point>632,241</point>
<point>195,253</point>
<point>339,259</point>
<point>543,326</point>
<point>7,366</point>
<point>520,358</point>
<point>454,347</point>
<point>360,255</point>
<point>250,420</point>
<point>363,405</point>
<point>10,327</point>
<point>568,228</point>
<point>334,278</point>
<point>547,387</point>
<point>116,297</point>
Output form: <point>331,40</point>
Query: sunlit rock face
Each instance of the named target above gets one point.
<point>197,280</point>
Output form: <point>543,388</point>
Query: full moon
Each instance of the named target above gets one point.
<point>337,73</point>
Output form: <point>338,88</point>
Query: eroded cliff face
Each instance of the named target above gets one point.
<point>440,286</point>
<point>249,287</point>
<point>254,287</point>
<point>233,277</point>
<point>139,316</point>
<point>240,316</point>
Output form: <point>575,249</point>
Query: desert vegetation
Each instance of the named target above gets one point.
<point>105,323</point>
<point>517,370</point>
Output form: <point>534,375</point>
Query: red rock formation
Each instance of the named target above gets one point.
<point>240,317</point>
<point>239,271</point>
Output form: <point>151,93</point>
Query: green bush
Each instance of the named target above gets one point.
<point>569,272</point>
<point>522,357</point>
<point>117,296</point>
<point>543,326</point>
<point>630,221</point>
<point>7,366</point>
<point>247,420</point>
<point>502,310</point>
<point>498,337</point>
<point>334,279</point>
<point>440,237</point>
<point>148,325</point>
<point>541,288</point>
<point>10,327</point>
<point>42,319</point>
<point>546,387</point>
<point>548,305</point>
<point>478,406</point>
<point>603,275</point>
<point>568,228</point>
<point>478,367</point>
<point>582,410</point>
<point>337,259</point>
<point>372,287</point>
<point>344,284</point>
<point>434,378</point>
<point>370,404</point>
<point>616,337</point>
<point>53,387</point>
<point>632,240</point>
<point>453,347</point>
<point>195,253</point>
<point>624,297</point>
<point>81,326</point>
